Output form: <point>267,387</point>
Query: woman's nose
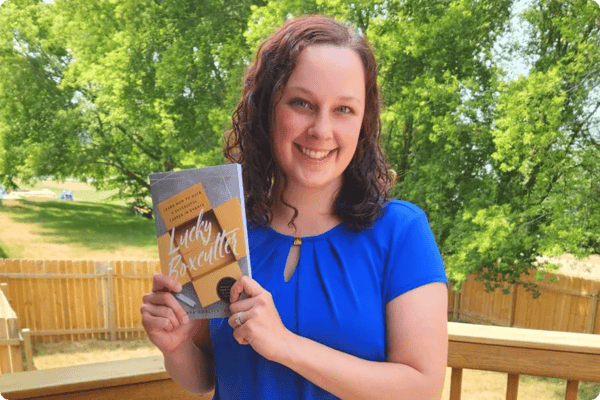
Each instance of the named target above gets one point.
<point>322,126</point>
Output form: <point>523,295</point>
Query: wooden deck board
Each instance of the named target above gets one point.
<point>524,338</point>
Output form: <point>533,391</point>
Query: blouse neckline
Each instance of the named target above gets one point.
<point>320,236</point>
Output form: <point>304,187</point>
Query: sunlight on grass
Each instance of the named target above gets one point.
<point>81,191</point>
<point>55,355</point>
<point>85,224</point>
<point>587,390</point>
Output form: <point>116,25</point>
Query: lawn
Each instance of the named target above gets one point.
<point>93,227</point>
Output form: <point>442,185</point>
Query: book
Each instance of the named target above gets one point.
<point>202,235</point>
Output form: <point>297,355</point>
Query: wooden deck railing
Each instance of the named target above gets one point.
<point>574,357</point>
<point>14,344</point>
<point>136,378</point>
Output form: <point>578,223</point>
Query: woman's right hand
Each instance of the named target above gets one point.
<point>164,319</point>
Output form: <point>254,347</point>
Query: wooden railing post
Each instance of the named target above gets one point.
<point>110,299</point>
<point>512,386</point>
<point>456,383</point>
<point>26,335</point>
<point>11,358</point>
<point>572,390</point>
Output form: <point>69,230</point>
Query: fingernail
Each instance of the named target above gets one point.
<point>186,319</point>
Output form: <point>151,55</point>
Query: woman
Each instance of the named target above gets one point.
<point>349,292</point>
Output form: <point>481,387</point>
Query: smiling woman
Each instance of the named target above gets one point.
<point>348,296</point>
<point>311,62</point>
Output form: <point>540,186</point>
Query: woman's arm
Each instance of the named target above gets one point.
<point>417,345</point>
<point>185,344</point>
<point>191,364</point>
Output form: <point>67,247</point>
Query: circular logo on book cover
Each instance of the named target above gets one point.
<point>224,288</point>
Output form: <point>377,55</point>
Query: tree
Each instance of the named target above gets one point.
<point>149,86</point>
<point>505,171</point>
<point>439,83</point>
<point>36,112</point>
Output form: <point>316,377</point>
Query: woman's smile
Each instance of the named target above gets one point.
<point>314,154</point>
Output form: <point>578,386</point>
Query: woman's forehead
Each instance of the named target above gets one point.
<point>329,69</point>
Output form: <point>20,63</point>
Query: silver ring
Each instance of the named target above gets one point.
<point>238,319</point>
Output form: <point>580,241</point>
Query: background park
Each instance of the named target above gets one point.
<point>491,121</point>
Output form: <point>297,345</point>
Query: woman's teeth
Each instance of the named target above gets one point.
<point>315,154</point>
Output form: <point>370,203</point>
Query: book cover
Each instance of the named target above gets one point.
<point>202,235</point>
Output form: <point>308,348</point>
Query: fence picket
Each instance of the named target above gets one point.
<point>89,298</point>
<point>81,294</point>
<point>596,321</point>
<point>52,268</point>
<point>110,296</point>
<point>64,292</point>
<point>118,292</point>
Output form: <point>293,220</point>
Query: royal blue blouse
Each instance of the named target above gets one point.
<point>337,296</point>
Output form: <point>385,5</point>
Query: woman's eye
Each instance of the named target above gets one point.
<point>300,103</point>
<point>345,110</point>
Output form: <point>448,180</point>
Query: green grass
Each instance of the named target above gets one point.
<point>83,223</point>
<point>3,253</point>
<point>587,390</point>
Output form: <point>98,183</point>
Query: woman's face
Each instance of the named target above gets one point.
<point>318,118</point>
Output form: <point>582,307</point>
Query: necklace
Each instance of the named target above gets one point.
<point>297,241</point>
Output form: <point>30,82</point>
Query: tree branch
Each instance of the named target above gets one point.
<point>139,144</point>
<point>125,170</point>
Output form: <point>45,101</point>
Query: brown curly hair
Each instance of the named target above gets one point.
<point>366,182</point>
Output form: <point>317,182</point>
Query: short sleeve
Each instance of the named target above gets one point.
<point>414,259</point>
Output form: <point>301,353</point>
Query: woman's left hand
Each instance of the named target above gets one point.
<point>261,325</point>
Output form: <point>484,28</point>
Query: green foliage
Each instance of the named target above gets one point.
<point>506,170</point>
<point>117,90</point>
<point>3,252</point>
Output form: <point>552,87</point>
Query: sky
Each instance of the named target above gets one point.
<point>517,33</point>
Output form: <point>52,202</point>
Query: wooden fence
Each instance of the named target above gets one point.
<point>570,304</point>
<point>77,300</point>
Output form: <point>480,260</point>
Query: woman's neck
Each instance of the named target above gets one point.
<point>316,211</point>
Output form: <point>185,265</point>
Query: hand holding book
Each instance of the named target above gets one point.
<point>165,320</point>
<point>256,321</point>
